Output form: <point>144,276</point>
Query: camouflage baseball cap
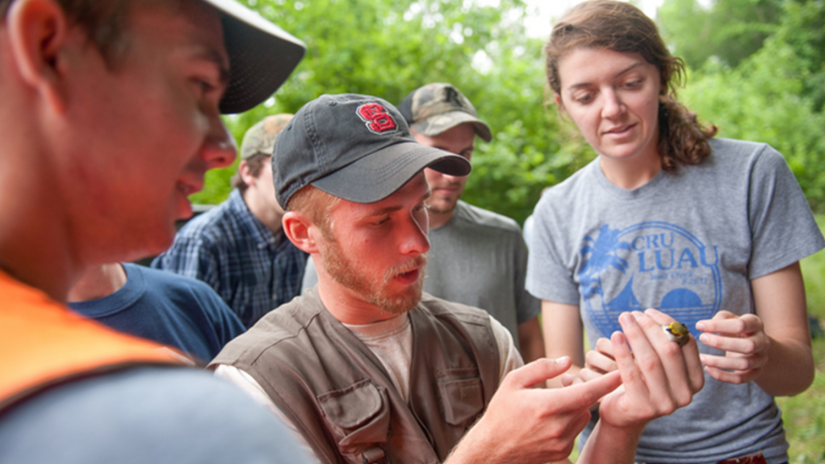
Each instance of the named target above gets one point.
<point>260,138</point>
<point>435,108</point>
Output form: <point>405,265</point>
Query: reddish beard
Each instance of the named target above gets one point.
<point>349,274</point>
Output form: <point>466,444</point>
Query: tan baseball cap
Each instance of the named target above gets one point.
<point>260,138</point>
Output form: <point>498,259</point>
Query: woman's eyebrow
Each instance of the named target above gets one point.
<point>623,71</point>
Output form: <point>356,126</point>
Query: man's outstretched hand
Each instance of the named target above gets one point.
<point>525,424</point>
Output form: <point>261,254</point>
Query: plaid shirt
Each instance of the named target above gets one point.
<point>227,247</point>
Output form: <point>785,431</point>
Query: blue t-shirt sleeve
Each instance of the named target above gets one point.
<point>224,321</point>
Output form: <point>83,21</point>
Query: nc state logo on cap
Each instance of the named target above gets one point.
<point>377,119</point>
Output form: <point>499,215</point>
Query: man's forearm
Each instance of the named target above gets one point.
<point>472,449</point>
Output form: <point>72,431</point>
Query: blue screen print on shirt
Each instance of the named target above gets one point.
<point>648,265</point>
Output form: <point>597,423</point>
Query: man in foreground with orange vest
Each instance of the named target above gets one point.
<point>110,118</point>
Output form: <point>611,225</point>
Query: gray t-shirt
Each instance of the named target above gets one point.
<point>478,258</point>
<point>688,244</point>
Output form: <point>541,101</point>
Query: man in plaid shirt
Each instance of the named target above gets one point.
<point>238,247</point>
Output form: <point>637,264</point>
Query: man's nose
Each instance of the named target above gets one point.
<point>220,149</point>
<point>415,241</point>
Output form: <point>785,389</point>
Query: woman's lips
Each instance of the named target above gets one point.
<point>621,131</point>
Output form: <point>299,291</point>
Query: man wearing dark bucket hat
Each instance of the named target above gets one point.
<point>477,257</point>
<point>238,247</point>
<point>110,117</point>
<point>368,369</point>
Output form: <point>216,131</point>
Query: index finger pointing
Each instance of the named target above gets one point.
<point>537,371</point>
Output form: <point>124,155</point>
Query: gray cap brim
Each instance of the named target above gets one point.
<point>380,174</point>
<point>440,123</point>
<point>261,56</point>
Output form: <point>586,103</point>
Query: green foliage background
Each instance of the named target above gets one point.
<point>804,414</point>
<point>775,93</point>
<point>389,48</point>
<point>757,70</point>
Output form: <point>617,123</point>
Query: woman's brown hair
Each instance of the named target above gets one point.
<point>623,28</point>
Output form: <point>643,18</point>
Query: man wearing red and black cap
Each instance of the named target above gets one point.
<point>477,257</point>
<point>367,368</point>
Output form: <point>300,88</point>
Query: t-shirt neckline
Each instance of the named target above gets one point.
<point>625,194</point>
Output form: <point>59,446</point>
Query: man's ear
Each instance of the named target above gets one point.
<point>246,173</point>
<point>300,231</point>
<point>38,33</point>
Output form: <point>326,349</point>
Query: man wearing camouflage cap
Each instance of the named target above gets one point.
<point>238,248</point>
<point>477,257</point>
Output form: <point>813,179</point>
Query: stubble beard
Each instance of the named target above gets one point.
<point>437,210</point>
<point>348,274</point>
<point>445,206</point>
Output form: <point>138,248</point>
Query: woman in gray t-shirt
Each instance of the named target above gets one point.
<point>709,231</point>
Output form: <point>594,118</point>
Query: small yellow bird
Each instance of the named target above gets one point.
<point>677,332</point>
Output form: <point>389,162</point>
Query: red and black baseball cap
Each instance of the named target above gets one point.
<point>355,147</point>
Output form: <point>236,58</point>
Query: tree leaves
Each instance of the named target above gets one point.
<point>388,48</point>
<point>773,95</point>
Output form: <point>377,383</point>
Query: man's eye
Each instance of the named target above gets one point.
<point>204,86</point>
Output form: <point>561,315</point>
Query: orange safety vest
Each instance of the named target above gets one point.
<point>43,343</point>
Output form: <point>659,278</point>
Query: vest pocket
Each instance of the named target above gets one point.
<point>462,399</point>
<point>358,416</point>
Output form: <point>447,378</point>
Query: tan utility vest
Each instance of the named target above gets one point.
<point>43,344</point>
<point>339,396</point>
